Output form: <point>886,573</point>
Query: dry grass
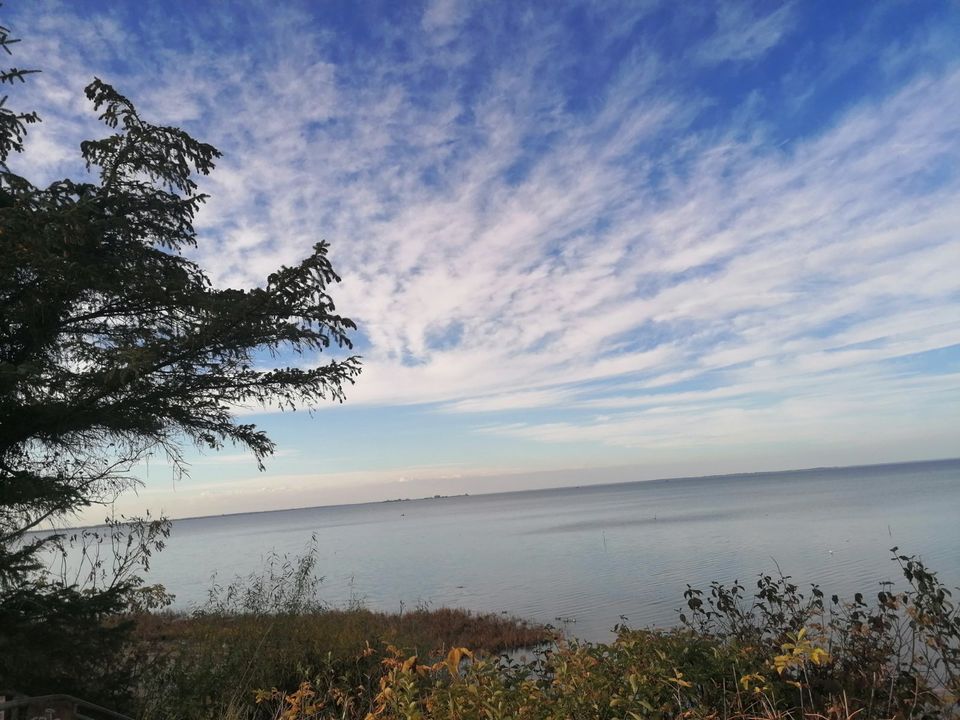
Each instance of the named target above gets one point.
<point>346,632</point>
<point>263,649</point>
<point>210,665</point>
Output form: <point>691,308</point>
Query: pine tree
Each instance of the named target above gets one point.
<point>114,344</point>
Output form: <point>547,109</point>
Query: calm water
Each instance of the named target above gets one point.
<point>592,554</point>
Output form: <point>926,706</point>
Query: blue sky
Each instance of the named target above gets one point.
<point>583,242</point>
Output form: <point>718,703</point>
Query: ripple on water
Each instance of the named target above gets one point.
<point>597,553</point>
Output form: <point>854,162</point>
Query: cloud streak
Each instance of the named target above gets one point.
<point>516,241</point>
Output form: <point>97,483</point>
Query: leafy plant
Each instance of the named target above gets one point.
<point>778,653</point>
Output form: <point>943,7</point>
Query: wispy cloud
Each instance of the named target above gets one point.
<point>524,230</point>
<point>741,32</point>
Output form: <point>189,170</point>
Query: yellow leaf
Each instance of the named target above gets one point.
<point>781,663</point>
<point>454,657</point>
<point>819,656</point>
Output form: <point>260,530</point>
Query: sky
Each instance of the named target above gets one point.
<point>583,242</point>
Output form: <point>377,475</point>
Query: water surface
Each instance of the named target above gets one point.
<point>595,553</point>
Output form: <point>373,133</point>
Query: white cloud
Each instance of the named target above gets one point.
<point>503,252</point>
<point>740,34</point>
<point>442,17</point>
<point>511,401</point>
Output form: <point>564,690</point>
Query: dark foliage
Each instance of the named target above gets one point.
<point>114,345</point>
<point>897,654</point>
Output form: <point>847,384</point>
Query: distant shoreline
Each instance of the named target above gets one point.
<point>394,500</point>
<point>679,478</point>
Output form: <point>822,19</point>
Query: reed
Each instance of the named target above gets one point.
<point>265,648</point>
<point>776,652</point>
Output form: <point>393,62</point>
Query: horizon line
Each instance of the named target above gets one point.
<point>567,487</point>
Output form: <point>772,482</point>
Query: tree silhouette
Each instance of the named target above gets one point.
<point>114,344</point>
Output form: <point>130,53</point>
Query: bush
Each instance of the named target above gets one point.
<point>778,653</point>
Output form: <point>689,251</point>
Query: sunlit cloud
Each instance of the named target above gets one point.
<point>648,212</point>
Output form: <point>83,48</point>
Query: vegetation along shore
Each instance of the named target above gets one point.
<point>265,647</point>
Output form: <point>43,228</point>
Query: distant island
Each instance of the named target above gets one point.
<point>429,497</point>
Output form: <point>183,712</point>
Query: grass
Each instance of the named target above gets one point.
<point>264,648</point>
<point>773,653</point>
<point>344,632</point>
<point>209,666</point>
<point>270,631</point>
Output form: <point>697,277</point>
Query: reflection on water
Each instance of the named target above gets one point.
<point>596,553</point>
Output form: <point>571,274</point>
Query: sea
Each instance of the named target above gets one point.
<point>588,558</point>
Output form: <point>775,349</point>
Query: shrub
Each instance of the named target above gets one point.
<point>778,653</point>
